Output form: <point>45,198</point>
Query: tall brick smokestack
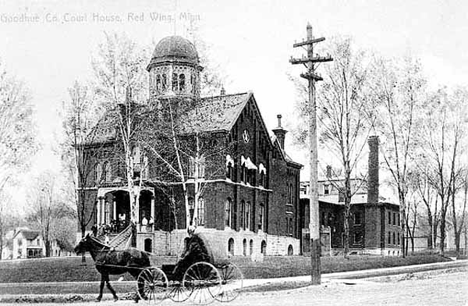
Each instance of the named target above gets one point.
<point>373,171</point>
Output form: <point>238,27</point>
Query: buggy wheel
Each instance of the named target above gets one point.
<point>204,281</point>
<point>152,285</point>
<point>232,280</point>
<point>179,293</point>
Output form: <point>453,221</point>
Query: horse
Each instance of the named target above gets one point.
<point>109,261</point>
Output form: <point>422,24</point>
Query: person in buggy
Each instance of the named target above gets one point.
<point>196,249</point>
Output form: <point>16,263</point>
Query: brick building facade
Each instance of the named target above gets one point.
<point>374,224</point>
<point>250,199</point>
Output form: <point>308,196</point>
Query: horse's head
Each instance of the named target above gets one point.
<point>83,245</point>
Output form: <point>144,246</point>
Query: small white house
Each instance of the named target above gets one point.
<point>28,244</point>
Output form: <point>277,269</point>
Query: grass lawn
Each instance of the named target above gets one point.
<point>70,269</point>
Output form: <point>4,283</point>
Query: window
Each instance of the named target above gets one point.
<point>291,226</point>
<point>175,82</point>
<point>326,189</point>
<point>394,218</point>
<point>389,218</point>
<point>158,83</point>
<point>398,237</point>
<point>251,247</point>
<point>389,237</point>
<point>227,212</point>
<point>248,208</point>
<point>191,203</point>
<point>290,250</point>
<point>181,82</point>
<point>231,246</point>
<point>244,247</point>
<point>107,172</point>
<point>394,238</point>
<point>164,82</point>
<point>357,218</point>
<point>263,247</point>
<point>398,219</point>
<point>261,217</point>
<point>291,194</point>
<point>201,211</point>
<point>98,172</point>
<point>357,237</point>
<point>192,81</point>
<point>197,169</point>
<point>148,245</point>
<point>242,214</point>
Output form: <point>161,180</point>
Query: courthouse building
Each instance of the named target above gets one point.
<point>250,199</point>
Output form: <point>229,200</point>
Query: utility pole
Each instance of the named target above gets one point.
<point>312,77</point>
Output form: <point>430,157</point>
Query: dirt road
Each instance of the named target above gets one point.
<point>443,287</point>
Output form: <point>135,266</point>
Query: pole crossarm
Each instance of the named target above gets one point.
<point>311,76</point>
<point>308,42</point>
<point>305,60</point>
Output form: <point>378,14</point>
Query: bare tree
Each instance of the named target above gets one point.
<point>46,206</point>
<point>443,134</point>
<point>341,113</point>
<point>120,81</point>
<point>81,114</point>
<point>397,95</point>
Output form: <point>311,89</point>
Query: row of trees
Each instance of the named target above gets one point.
<point>421,134</point>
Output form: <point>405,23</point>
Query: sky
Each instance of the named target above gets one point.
<point>49,44</point>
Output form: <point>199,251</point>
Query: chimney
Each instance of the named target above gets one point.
<point>373,171</point>
<point>223,91</point>
<point>280,132</point>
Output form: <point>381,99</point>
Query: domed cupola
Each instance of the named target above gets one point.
<point>174,69</point>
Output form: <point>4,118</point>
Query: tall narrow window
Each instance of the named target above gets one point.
<point>242,214</point>
<point>191,203</point>
<point>248,208</point>
<point>98,172</point>
<point>175,82</point>
<point>107,171</point>
<point>192,82</point>
<point>357,218</point>
<point>261,217</point>
<point>227,212</point>
<point>158,83</point>
<point>201,211</point>
<point>181,82</point>
<point>164,82</point>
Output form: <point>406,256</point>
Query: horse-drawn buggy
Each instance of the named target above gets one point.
<point>198,276</point>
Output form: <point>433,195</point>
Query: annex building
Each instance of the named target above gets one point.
<point>245,185</point>
<point>374,226</point>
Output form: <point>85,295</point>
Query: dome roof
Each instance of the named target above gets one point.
<point>175,48</point>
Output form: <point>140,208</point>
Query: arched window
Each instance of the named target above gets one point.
<point>263,247</point>
<point>175,82</point>
<point>242,214</point>
<point>227,212</point>
<point>394,238</point>
<point>231,246</point>
<point>164,82</point>
<point>181,82</point>
<point>158,83</point>
<point>201,211</point>
<point>251,247</point>
<point>192,82</point>
<point>261,217</point>
<point>148,245</point>
<point>248,208</point>
<point>244,247</point>
<point>290,250</point>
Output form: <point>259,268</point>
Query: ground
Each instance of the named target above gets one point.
<point>441,287</point>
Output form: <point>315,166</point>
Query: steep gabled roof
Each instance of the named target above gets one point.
<point>217,113</point>
<point>28,234</point>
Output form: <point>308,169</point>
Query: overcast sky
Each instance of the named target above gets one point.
<point>250,40</point>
